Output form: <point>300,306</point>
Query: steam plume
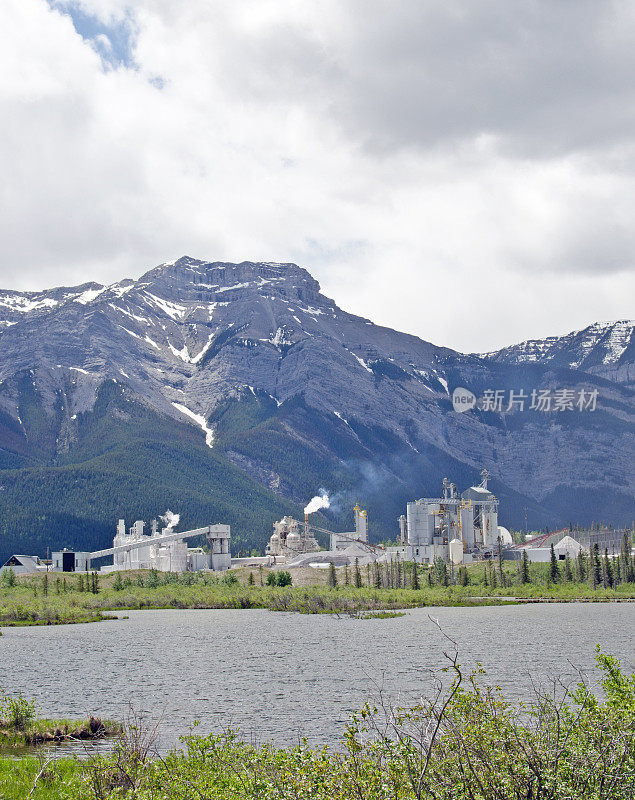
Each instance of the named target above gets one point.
<point>170,520</point>
<point>319,501</point>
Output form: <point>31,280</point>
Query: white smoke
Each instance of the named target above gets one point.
<point>319,501</point>
<point>170,520</point>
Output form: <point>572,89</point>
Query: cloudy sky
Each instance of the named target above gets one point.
<point>459,169</point>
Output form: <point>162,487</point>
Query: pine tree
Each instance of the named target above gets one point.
<point>581,565</point>
<point>261,574</point>
<point>415,576</point>
<point>442,572</point>
<point>332,577</point>
<point>376,576</point>
<point>568,574</point>
<point>251,580</point>
<point>45,584</point>
<point>554,569</point>
<point>463,577</point>
<point>118,583</point>
<point>524,568</point>
<point>595,574</point>
<point>80,583</point>
<point>369,580</point>
<point>358,575</point>
<point>607,572</point>
<point>430,581</point>
<point>617,571</point>
<point>347,579</point>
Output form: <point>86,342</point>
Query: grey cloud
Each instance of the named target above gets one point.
<point>546,77</point>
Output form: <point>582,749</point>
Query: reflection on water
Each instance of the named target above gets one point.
<point>282,676</point>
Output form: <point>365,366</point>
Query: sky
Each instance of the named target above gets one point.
<point>463,170</point>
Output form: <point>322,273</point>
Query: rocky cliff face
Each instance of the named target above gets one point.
<point>604,348</point>
<point>264,378</point>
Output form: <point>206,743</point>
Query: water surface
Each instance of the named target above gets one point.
<point>282,676</point>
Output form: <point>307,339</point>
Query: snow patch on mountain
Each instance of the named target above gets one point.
<point>200,420</point>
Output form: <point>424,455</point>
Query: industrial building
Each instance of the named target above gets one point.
<point>166,551</point>
<point>294,544</point>
<point>569,541</point>
<point>456,528</point>
<point>24,565</point>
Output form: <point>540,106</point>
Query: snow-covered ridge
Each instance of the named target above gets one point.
<point>609,339</point>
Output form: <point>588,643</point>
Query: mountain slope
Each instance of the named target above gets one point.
<point>604,348</point>
<point>246,389</point>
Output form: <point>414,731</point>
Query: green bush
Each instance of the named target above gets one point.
<point>17,712</point>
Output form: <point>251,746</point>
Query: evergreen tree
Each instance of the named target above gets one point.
<point>118,583</point>
<point>94,583</point>
<point>45,584</point>
<point>8,578</point>
<point>617,571</point>
<point>358,575</point>
<point>260,573</point>
<point>251,580</point>
<point>524,568</point>
<point>414,580</point>
<point>332,576</point>
<point>369,580</point>
<point>463,577</point>
<point>430,581</point>
<point>554,569</point>
<point>485,580</point>
<point>58,586</point>
<point>500,559</point>
<point>284,578</point>
<point>80,583</point>
<point>376,576</point>
<point>581,565</point>
<point>607,572</point>
<point>492,576</point>
<point>347,578</point>
<point>271,579</point>
<point>153,579</point>
<point>442,572</point>
<point>595,574</point>
<point>568,574</point>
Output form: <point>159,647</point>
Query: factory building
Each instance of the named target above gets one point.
<point>70,561</point>
<point>290,538</point>
<point>24,565</point>
<point>453,527</point>
<point>340,541</point>
<point>568,541</point>
<point>167,551</point>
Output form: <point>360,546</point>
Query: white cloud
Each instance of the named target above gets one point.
<point>442,168</point>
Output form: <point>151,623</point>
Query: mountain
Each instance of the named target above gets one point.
<point>232,392</point>
<point>604,348</point>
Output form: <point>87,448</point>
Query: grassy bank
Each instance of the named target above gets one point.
<point>21,726</point>
<point>59,599</point>
<point>464,741</point>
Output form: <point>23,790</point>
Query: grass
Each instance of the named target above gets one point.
<point>462,741</point>
<point>32,602</point>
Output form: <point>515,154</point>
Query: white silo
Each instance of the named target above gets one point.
<point>456,551</point>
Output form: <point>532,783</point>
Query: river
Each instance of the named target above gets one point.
<point>282,676</point>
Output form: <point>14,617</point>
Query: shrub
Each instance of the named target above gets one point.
<point>17,712</point>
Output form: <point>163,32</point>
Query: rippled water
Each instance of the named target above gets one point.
<point>282,676</point>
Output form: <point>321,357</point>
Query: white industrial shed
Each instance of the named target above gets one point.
<point>24,565</point>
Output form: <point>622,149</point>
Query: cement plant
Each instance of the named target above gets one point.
<point>457,528</point>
